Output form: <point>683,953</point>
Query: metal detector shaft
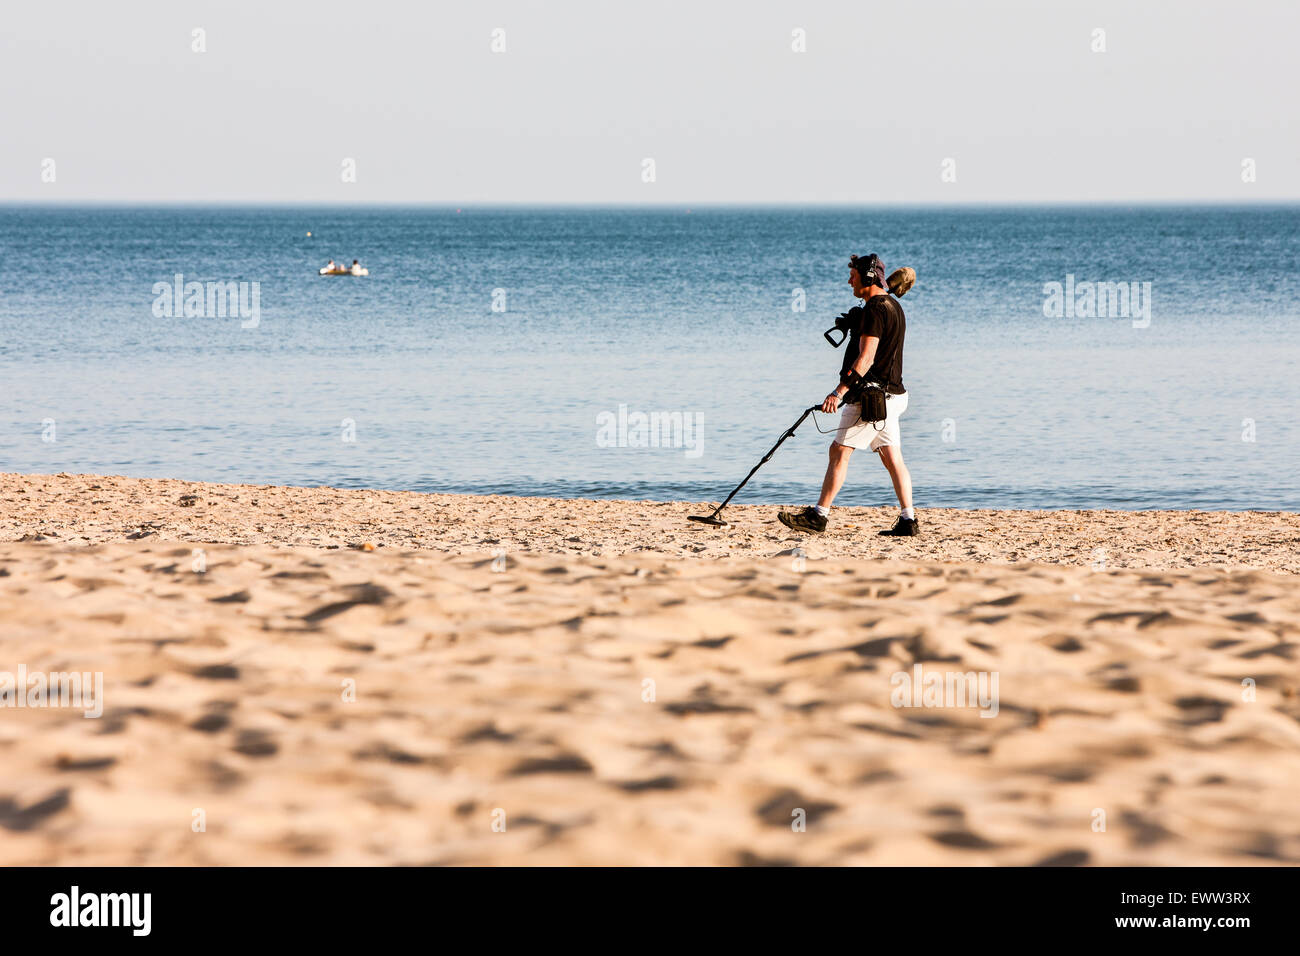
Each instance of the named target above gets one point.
<point>766,458</point>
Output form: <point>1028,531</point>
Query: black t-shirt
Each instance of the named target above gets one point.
<point>882,317</point>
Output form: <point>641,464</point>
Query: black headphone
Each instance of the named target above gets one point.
<point>866,266</point>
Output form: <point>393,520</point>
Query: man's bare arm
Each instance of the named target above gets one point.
<point>863,362</point>
<point>865,357</point>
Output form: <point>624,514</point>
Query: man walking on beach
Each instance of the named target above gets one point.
<point>875,353</point>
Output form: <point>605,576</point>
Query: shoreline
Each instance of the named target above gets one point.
<point>98,509</point>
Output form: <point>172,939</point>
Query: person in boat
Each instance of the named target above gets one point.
<point>356,267</point>
<point>330,266</point>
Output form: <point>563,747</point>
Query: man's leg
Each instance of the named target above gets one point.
<point>813,518</point>
<point>891,456</point>
<point>837,468</point>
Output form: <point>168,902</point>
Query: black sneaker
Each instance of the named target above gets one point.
<point>903,528</point>
<point>808,520</point>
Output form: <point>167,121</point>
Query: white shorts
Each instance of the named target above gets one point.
<point>856,433</point>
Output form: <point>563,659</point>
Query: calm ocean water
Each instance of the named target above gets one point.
<point>660,311</point>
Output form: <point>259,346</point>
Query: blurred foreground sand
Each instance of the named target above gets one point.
<point>501,649</point>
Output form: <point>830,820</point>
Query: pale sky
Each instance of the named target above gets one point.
<point>713,92</point>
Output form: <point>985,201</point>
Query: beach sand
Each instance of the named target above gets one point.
<point>321,676</point>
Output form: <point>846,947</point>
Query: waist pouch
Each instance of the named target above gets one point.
<point>870,396</point>
<point>873,405</point>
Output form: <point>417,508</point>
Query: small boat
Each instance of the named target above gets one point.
<point>343,271</point>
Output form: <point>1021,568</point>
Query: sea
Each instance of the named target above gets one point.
<point>1122,357</point>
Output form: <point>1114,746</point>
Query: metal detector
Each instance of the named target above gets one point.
<point>714,519</point>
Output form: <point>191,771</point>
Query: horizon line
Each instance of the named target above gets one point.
<point>707,204</point>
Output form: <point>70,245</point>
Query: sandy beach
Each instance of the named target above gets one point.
<point>321,676</point>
